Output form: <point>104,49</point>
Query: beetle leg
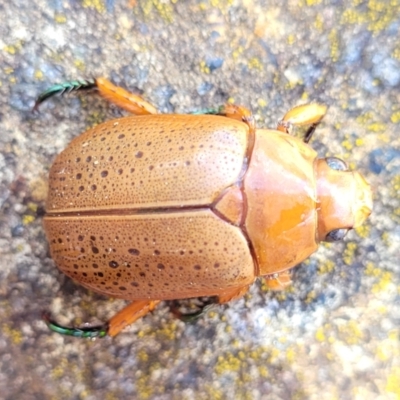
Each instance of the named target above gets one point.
<point>306,114</point>
<point>129,315</point>
<point>62,88</point>
<point>227,296</point>
<point>119,321</point>
<point>233,294</point>
<point>191,315</point>
<point>233,111</point>
<point>122,98</point>
<point>86,332</point>
<point>279,281</point>
<point>115,94</point>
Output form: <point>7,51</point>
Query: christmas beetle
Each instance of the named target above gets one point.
<point>159,207</point>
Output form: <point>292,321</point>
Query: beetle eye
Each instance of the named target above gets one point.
<point>337,164</point>
<point>336,235</point>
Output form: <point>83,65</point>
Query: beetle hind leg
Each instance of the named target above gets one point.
<point>129,314</point>
<point>307,114</point>
<point>92,332</point>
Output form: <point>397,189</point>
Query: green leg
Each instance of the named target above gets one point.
<point>62,88</point>
<point>89,332</point>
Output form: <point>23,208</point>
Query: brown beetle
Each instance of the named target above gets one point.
<point>156,207</point>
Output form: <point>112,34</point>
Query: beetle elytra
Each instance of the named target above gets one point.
<point>158,207</point>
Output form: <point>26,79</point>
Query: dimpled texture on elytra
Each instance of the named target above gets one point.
<point>146,162</point>
<point>131,213</point>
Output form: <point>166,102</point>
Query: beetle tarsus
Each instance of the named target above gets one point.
<point>88,332</point>
<point>66,87</point>
<point>190,316</point>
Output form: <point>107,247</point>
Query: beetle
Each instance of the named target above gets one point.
<point>159,207</point>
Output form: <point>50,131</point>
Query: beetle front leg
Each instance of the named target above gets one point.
<point>279,281</point>
<point>307,114</point>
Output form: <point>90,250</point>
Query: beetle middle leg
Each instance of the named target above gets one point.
<point>189,310</point>
<point>115,94</point>
<point>124,99</point>
<point>306,114</point>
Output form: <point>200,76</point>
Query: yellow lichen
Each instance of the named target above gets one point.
<point>80,65</point>
<point>290,354</point>
<point>142,355</point>
<point>311,296</point>
<point>385,279</point>
<point>395,117</point>
<point>60,19</point>
<point>237,52</point>
<point>350,332</point>
<point>38,74</point>
<point>347,144</point>
<point>291,39</point>
<point>326,267</point>
<point>227,363</point>
<point>262,103</point>
<point>10,49</point>
<point>359,142</point>
<point>163,8</point>
<point>255,63</point>
<point>319,22</point>
<point>395,184</point>
<point>334,41</point>
<point>320,335</point>
<point>372,270</point>
<point>349,253</point>
<point>377,127</point>
<point>168,330</point>
<point>377,15</point>
<point>27,219</point>
<point>98,5</point>
<point>393,382</point>
<point>363,231</point>
<point>14,335</point>
<point>204,67</point>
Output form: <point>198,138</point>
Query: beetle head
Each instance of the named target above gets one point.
<point>344,199</point>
